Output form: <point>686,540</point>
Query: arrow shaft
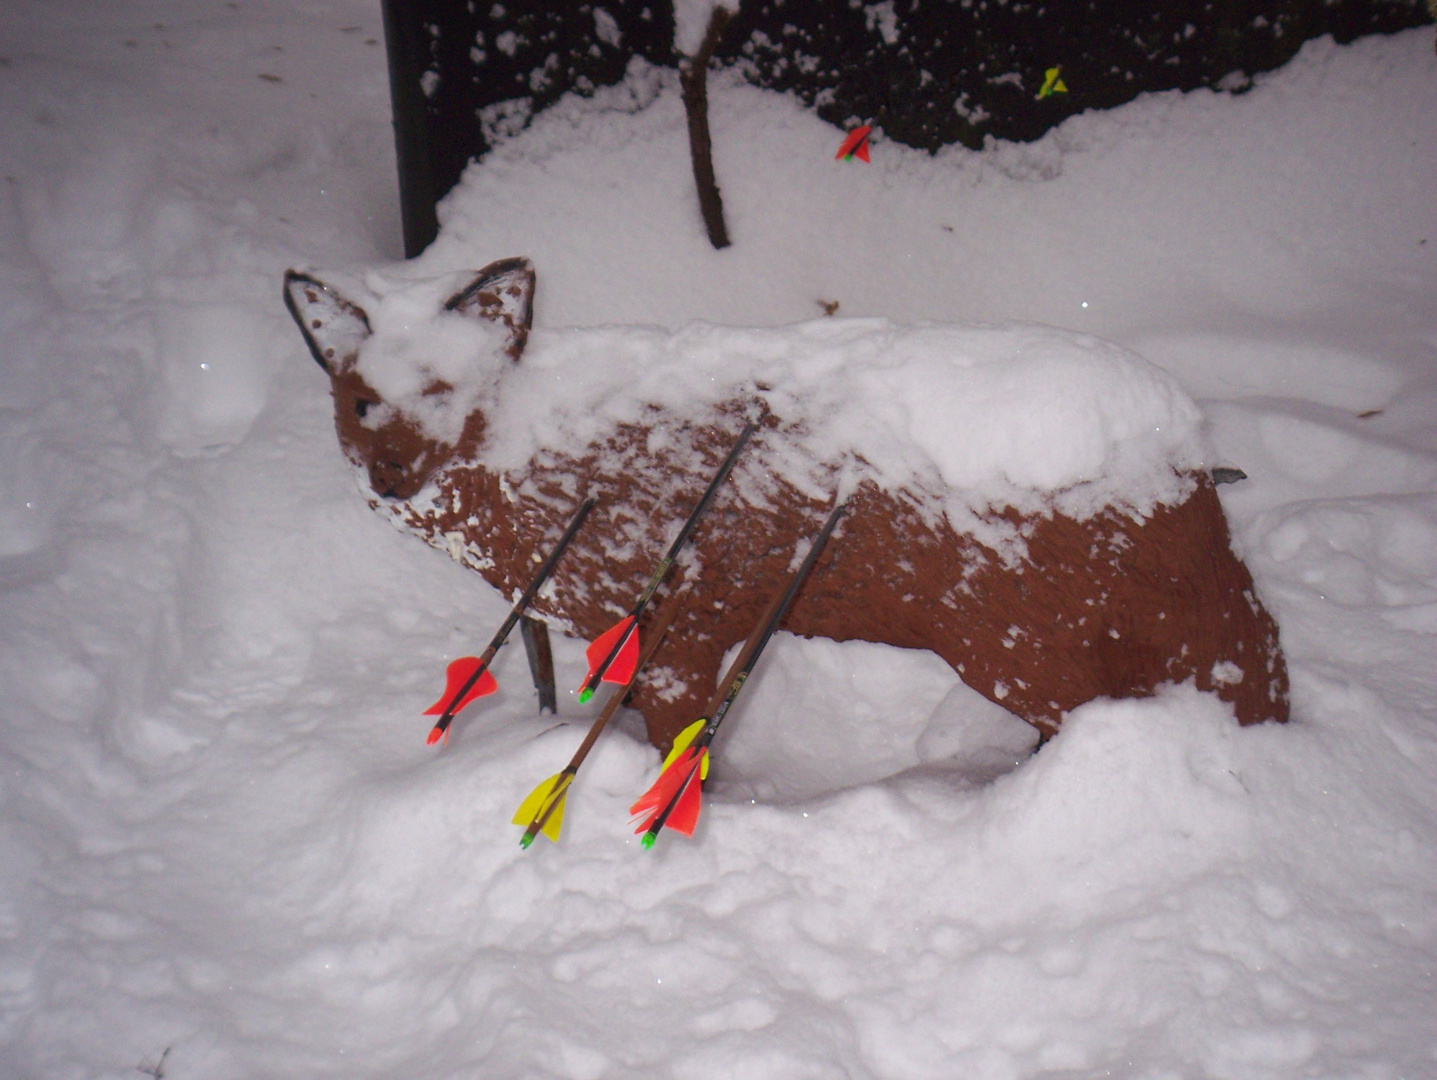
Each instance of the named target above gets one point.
<point>535,584</point>
<point>667,614</point>
<point>767,625</point>
<point>709,492</point>
<point>667,562</point>
<point>743,666</point>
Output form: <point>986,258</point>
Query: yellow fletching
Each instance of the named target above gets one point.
<point>681,743</point>
<point>551,790</point>
<point>683,738</point>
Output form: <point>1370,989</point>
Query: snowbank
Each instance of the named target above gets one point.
<point>221,831</point>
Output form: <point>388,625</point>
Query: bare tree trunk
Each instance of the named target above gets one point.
<point>693,76</point>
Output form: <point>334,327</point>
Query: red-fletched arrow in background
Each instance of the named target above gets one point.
<point>855,145</point>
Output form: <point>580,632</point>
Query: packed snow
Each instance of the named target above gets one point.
<point>691,22</point>
<point>227,851</point>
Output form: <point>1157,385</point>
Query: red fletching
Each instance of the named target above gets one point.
<point>855,145</point>
<point>669,783</point>
<point>625,662</point>
<point>684,817</point>
<point>460,672</point>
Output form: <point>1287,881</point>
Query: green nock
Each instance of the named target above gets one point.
<point>648,840</point>
<point>584,695</point>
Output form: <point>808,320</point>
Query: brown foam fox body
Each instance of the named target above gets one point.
<point>1114,605</point>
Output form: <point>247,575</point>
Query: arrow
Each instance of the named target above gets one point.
<point>1052,83</point>
<point>543,810</point>
<point>615,653</point>
<point>855,145</point>
<point>674,798</point>
<point>469,676</point>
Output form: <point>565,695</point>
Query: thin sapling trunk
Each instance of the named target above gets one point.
<point>693,76</point>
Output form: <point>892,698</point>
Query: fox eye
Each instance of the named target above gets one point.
<point>361,406</point>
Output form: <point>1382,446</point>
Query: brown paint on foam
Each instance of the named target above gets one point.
<point>1106,607</point>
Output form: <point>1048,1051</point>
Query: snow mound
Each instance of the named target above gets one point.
<point>882,712</point>
<point>225,845</point>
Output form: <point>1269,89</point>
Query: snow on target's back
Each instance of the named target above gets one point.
<point>989,415</point>
<point>995,416</point>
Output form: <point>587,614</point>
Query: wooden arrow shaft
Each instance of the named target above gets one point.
<point>738,674</point>
<point>667,614</point>
<point>758,638</point>
<point>535,584</point>
<point>667,562</point>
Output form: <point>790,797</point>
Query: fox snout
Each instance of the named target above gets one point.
<point>390,480</point>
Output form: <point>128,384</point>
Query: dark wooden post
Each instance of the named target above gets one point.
<point>419,188</point>
<point>541,661</point>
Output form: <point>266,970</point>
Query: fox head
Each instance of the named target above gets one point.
<point>406,395</point>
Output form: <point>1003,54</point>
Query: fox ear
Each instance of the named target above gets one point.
<point>333,328</point>
<point>503,292</point>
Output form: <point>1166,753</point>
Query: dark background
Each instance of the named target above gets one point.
<point>929,73</point>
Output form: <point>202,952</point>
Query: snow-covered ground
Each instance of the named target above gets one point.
<point>225,850</point>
